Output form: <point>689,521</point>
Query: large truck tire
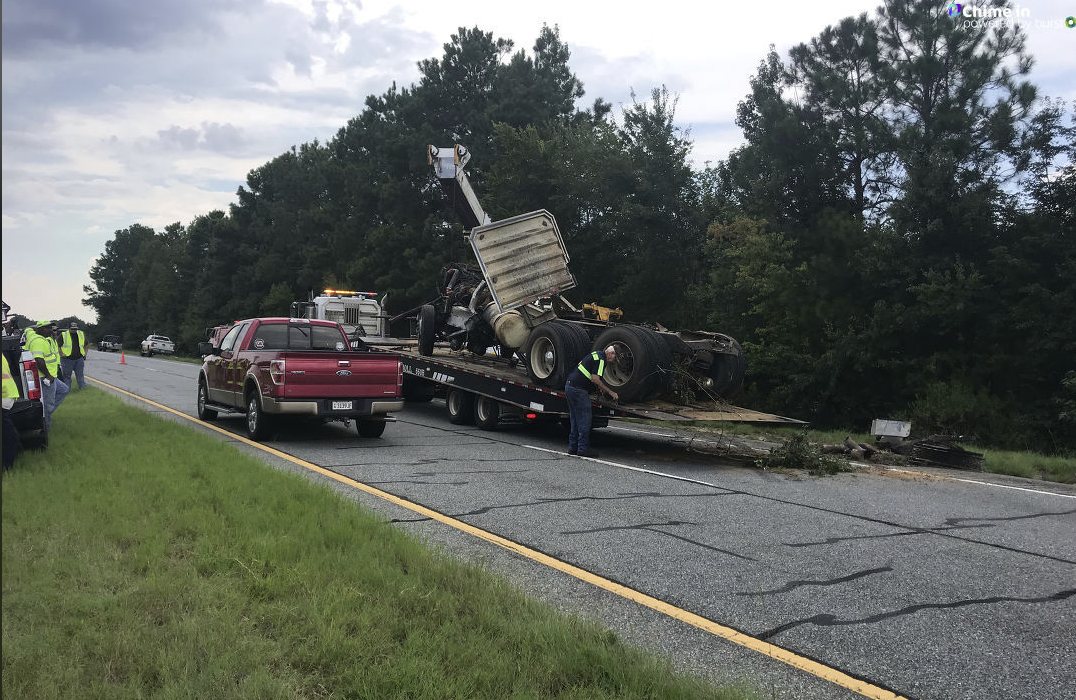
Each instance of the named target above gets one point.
<point>487,412</point>
<point>728,370</point>
<point>637,374</point>
<point>427,320</point>
<point>662,380</point>
<point>460,405</point>
<point>553,350</point>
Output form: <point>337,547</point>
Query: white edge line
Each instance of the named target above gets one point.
<point>1015,488</point>
<point>628,468</point>
<point>980,483</point>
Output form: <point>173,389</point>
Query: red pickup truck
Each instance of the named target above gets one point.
<point>273,367</point>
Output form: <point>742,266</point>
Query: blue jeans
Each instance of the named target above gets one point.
<point>52,396</point>
<point>579,412</point>
<point>77,366</point>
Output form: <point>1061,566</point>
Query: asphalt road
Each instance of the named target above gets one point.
<point>947,585</point>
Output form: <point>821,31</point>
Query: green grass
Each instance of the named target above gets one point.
<point>142,559</point>
<point>1029,465</point>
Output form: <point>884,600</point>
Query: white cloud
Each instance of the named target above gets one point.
<point>117,113</point>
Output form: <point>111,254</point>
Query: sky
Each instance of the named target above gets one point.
<point>118,112</point>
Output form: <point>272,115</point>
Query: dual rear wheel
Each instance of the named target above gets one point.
<point>465,408</point>
<point>641,371</point>
<point>643,366</point>
<point>553,351</point>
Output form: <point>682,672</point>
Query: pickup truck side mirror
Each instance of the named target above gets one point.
<point>206,348</point>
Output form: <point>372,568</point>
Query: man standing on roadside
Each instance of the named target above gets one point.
<point>40,342</point>
<point>73,352</point>
<point>581,381</point>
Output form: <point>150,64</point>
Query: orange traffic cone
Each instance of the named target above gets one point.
<point>123,357</point>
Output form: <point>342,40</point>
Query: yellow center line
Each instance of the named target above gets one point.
<point>771,650</point>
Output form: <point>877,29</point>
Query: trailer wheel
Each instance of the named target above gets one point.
<point>553,350</point>
<point>370,428</point>
<point>487,412</point>
<point>427,320</point>
<point>460,407</point>
<point>636,374</point>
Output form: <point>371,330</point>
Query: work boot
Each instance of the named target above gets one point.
<point>573,451</point>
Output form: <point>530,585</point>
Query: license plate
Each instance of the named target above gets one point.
<point>341,405</point>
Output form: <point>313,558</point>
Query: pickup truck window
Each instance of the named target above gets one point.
<point>229,340</point>
<point>303,337</point>
<point>270,336</point>
<point>327,338</point>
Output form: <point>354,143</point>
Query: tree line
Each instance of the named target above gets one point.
<point>895,238</point>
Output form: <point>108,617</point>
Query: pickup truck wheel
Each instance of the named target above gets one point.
<point>460,407</point>
<point>259,425</point>
<point>204,413</point>
<point>370,428</point>
<point>427,320</point>
<point>487,412</point>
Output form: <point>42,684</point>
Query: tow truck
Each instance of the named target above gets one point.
<point>358,312</point>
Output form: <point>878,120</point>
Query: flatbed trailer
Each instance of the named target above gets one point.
<point>491,390</point>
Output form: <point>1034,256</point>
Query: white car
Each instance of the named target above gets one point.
<point>157,344</point>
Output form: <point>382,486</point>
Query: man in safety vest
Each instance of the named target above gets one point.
<point>73,352</point>
<point>581,381</point>
<point>46,351</point>
<point>11,434</point>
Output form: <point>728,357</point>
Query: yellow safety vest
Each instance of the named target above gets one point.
<point>11,389</point>
<point>65,336</point>
<point>45,348</point>
<point>601,365</point>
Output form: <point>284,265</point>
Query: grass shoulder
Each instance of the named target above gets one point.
<point>144,559</point>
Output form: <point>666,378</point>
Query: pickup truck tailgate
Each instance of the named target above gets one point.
<point>328,375</point>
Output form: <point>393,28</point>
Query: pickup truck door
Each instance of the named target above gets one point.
<point>222,369</point>
<point>235,369</point>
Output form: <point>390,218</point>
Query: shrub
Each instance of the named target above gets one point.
<point>800,453</point>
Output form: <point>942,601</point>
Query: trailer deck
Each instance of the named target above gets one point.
<point>506,381</point>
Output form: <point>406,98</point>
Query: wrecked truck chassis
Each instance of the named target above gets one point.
<point>647,363</point>
<point>513,300</point>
